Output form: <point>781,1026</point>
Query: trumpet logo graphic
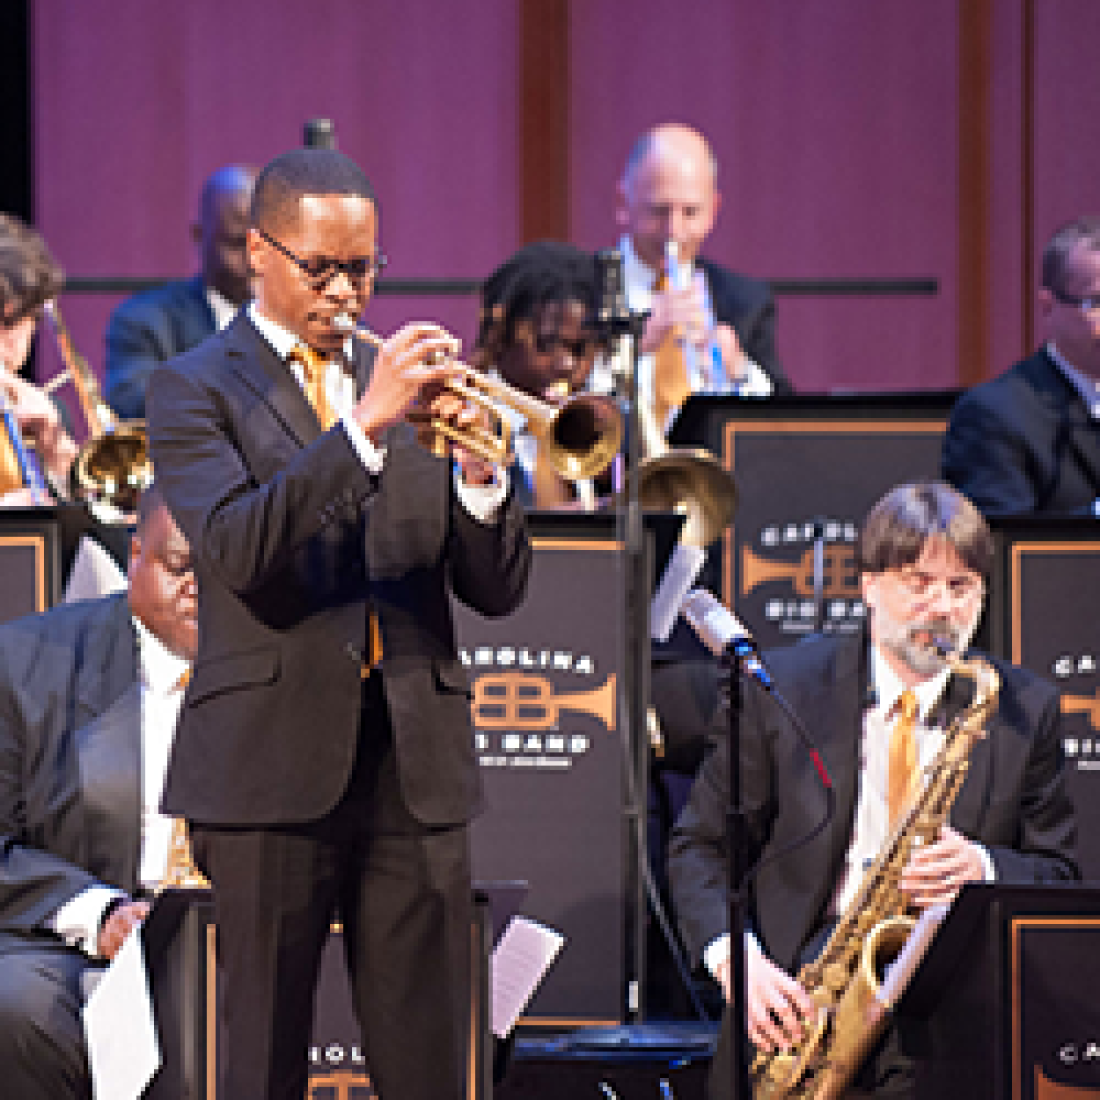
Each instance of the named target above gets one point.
<point>527,701</point>
<point>343,1086</point>
<point>1084,704</point>
<point>839,575</point>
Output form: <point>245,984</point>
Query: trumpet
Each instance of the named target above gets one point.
<point>581,436</point>
<point>113,467</point>
<point>18,468</point>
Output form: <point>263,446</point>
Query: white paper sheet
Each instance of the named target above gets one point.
<point>521,957</point>
<point>123,1049</point>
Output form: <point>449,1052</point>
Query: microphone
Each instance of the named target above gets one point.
<point>723,633</point>
<point>611,313</point>
<point>613,324</point>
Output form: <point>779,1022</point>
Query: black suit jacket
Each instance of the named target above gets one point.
<point>70,759</point>
<point>291,537</point>
<point>747,306</point>
<point>1013,800</point>
<point>147,330</point>
<point>1024,443</point>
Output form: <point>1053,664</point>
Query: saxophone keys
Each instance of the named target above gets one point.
<point>835,977</point>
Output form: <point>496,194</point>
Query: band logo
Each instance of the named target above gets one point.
<point>340,1085</point>
<point>1082,746</point>
<point>523,720</point>
<point>1070,1054</point>
<point>788,584</point>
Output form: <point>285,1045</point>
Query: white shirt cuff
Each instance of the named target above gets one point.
<point>483,502</point>
<point>717,951</point>
<point>988,870</point>
<point>77,921</point>
<point>369,454</point>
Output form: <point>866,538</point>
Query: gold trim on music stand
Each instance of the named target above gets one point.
<point>37,542</point>
<point>1017,926</point>
<point>1015,580</point>
<point>732,428</point>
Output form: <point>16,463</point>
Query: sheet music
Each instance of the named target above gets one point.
<point>521,958</point>
<point>123,1049</point>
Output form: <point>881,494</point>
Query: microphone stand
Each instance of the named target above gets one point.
<point>735,655</point>
<point>614,322</point>
<point>738,659</point>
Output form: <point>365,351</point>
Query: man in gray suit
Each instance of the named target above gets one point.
<point>148,329</point>
<point>88,698</point>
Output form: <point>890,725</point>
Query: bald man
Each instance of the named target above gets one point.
<point>148,329</point>
<point>669,193</point>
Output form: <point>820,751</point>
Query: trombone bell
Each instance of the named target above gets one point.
<point>692,482</point>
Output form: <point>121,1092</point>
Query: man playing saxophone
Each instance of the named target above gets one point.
<point>29,277</point>
<point>880,702</point>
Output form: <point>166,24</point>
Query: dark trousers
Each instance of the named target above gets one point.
<point>42,1051</point>
<point>403,893</point>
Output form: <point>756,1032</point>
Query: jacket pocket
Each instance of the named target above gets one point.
<point>231,672</point>
<point>450,676</point>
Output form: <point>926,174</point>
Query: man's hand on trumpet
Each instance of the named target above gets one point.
<point>412,368</point>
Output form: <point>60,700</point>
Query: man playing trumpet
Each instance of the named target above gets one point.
<point>324,755</point>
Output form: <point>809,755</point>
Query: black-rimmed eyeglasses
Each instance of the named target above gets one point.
<point>321,270</point>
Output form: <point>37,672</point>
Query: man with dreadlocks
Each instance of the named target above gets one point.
<point>537,333</point>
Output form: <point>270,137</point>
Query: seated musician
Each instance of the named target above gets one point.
<point>876,706</point>
<point>80,779</point>
<point>29,277</point>
<point>536,332</point>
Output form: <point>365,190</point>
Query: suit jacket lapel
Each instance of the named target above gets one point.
<point>841,712</point>
<point>108,723</point>
<point>110,771</point>
<point>969,810</point>
<point>254,361</point>
<point>1084,441</point>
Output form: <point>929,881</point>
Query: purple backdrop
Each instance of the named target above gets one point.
<point>835,125</point>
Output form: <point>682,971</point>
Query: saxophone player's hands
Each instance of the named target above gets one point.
<point>777,1005</point>
<point>937,872</point>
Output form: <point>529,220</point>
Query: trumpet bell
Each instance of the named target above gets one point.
<point>690,481</point>
<point>114,468</point>
<point>584,436</point>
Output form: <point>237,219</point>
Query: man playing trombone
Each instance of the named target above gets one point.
<point>324,756</point>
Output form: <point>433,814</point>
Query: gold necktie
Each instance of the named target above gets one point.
<point>903,754</point>
<point>314,367</point>
<point>670,378</point>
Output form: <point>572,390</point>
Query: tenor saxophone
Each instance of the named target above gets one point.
<point>845,982</point>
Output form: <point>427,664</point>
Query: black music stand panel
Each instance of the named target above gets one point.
<point>1005,1005</point>
<point>1043,613</point>
<point>563,782</point>
<point>798,460</point>
<point>30,561</point>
